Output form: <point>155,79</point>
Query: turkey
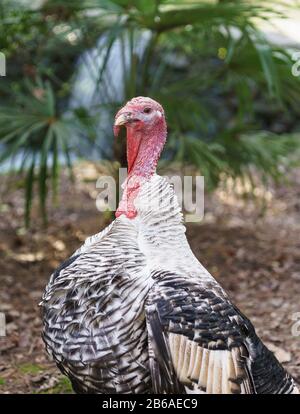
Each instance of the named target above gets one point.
<point>133,310</point>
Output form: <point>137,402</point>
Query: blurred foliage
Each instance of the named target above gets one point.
<point>39,135</point>
<point>229,95</point>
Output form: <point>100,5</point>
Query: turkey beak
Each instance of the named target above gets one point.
<point>122,118</point>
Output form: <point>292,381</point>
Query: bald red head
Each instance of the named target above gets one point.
<point>146,127</point>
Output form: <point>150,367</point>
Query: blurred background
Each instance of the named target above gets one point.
<point>228,75</point>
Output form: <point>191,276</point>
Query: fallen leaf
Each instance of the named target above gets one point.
<point>280,353</point>
<point>28,257</point>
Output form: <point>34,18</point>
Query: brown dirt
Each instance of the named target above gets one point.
<point>255,256</point>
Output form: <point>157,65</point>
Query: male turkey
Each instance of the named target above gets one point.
<point>133,311</point>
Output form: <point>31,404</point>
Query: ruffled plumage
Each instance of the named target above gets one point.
<point>133,311</point>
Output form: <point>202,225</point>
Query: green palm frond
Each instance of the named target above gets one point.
<point>235,155</point>
<point>33,130</point>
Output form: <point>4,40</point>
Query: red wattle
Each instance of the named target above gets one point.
<point>116,130</point>
<point>133,146</point>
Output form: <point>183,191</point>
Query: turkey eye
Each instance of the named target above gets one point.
<point>147,110</point>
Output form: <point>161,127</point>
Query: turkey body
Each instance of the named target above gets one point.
<point>133,311</point>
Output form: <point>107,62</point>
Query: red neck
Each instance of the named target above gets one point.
<point>143,150</point>
<point>144,147</point>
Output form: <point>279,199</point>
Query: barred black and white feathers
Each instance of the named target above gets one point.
<point>203,344</point>
<point>94,315</point>
<point>133,311</point>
